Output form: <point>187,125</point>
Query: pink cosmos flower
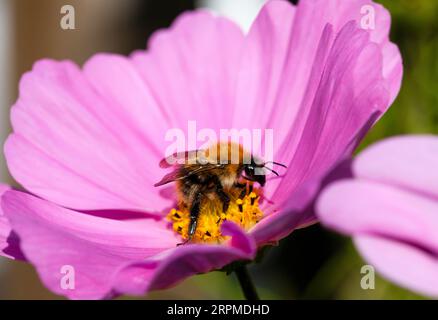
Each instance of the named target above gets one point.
<point>87,142</point>
<point>390,208</point>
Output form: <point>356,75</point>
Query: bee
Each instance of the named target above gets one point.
<point>212,174</point>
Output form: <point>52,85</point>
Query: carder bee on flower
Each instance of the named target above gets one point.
<point>219,175</point>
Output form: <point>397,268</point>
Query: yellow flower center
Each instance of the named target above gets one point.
<point>244,212</point>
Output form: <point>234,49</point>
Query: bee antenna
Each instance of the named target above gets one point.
<point>273,171</point>
<point>277,163</point>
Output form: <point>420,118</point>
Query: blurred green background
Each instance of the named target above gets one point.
<point>311,263</point>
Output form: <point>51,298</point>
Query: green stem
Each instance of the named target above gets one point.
<point>249,291</point>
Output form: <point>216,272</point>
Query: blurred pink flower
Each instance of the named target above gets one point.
<point>390,208</point>
<point>90,140</point>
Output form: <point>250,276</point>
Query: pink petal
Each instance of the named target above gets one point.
<point>192,67</point>
<point>261,69</point>
<point>9,244</point>
<point>290,58</point>
<point>349,94</point>
<point>401,263</point>
<point>349,97</point>
<point>52,237</point>
<point>407,161</point>
<point>98,135</point>
<point>276,226</point>
<point>111,257</point>
<point>4,225</point>
<point>299,210</point>
<point>362,207</point>
<point>70,143</point>
<point>177,264</point>
<point>302,105</point>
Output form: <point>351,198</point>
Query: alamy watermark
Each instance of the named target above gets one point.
<point>368,280</point>
<point>258,142</point>
<point>368,19</point>
<point>67,281</point>
<point>68,19</point>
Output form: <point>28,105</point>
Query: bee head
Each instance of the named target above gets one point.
<point>255,172</point>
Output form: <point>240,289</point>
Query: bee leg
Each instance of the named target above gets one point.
<point>243,187</point>
<point>240,185</point>
<point>248,189</point>
<point>194,213</point>
<point>242,194</point>
<point>223,197</point>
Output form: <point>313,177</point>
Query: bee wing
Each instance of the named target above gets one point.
<point>176,175</point>
<point>179,158</point>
